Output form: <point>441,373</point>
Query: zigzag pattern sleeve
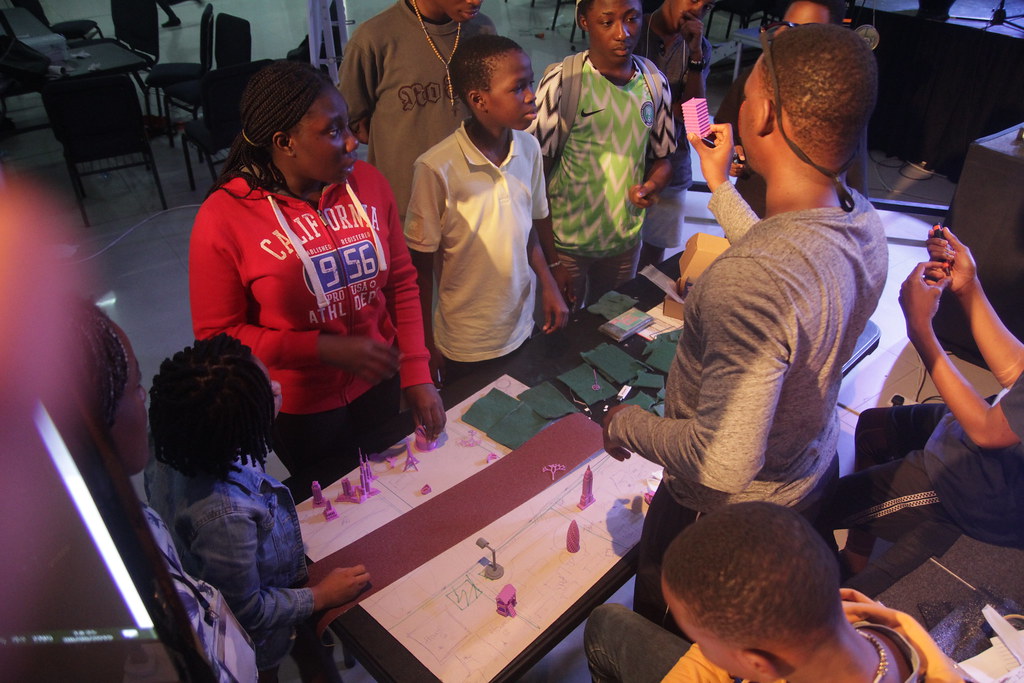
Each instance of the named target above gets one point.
<point>546,126</point>
<point>663,132</point>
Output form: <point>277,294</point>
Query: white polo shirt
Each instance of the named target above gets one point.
<point>478,216</point>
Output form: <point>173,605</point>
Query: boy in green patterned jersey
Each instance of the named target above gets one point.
<point>597,190</point>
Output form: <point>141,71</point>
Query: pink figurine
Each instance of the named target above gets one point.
<point>348,493</point>
<point>364,466</point>
<point>491,457</point>
<point>648,496</point>
<point>426,489</point>
<point>422,442</point>
<point>390,460</point>
<point>506,601</point>
<point>366,477</point>
<point>410,460</point>
<point>695,116</point>
<point>587,497</point>
<point>329,511</point>
<point>572,537</point>
<point>318,495</point>
<point>471,439</point>
<point>553,468</point>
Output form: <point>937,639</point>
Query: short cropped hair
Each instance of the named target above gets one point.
<point>211,406</point>
<point>755,574</point>
<point>473,64</point>
<point>828,83</point>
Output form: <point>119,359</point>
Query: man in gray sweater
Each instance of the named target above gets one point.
<point>750,399</point>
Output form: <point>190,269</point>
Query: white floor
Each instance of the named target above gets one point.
<point>138,255</point>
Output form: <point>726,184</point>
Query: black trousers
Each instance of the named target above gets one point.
<point>893,499</point>
<point>666,519</point>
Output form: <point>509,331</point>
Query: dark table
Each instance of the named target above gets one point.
<point>541,358</point>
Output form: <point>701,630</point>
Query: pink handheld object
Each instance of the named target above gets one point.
<point>422,442</point>
<point>697,119</point>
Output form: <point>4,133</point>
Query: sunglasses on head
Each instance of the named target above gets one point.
<point>768,33</point>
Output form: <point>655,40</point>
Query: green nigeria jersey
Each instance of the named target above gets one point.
<point>603,157</point>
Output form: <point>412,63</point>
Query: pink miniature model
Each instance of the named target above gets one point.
<point>422,442</point>
<point>491,457</point>
<point>349,494</point>
<point>471,439</point>
<point>648,496</point>
<point>695,116</point>
<point>553,468</point>
<point>426,489</point>
<point>572,537</point>
<point>318,495</point>
<point>329,511</point>
<point>506,601</point>
<point>364,466</point>
<point>366,477</point>
<point>410,460</point>
<point>587,497</point>
<point>391,461</point>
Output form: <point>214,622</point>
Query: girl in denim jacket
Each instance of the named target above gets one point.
<point>235,526</point>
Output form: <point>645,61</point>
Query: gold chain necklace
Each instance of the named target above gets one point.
<point>437,53</point>
<point>883,659</point>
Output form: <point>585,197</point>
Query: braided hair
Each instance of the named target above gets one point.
<point>103,360</point>
<point>210,405</point>
<point>275,99</point>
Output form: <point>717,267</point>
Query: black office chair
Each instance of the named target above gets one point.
<point>98,119</point>
<point>76,29</point>
<point>233,41</point>
<point>180,81</point>
<point>220,94</point>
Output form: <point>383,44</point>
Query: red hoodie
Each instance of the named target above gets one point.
<point>247,279</point>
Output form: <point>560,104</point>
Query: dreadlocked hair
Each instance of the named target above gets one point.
<point>210,406</point>
<point>275,99</point>
<point>103,360</point>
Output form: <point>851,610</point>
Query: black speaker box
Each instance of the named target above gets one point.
<point>987,214</point>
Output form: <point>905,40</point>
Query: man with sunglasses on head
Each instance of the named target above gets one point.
<point>751,394</point>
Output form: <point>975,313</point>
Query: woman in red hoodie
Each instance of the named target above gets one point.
<point>298,252</point>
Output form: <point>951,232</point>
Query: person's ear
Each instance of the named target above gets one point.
<point>766,665</point>
<point>581,21</point>
<point>477,100</point>
<point>763,116</point>
<point>281,142</point>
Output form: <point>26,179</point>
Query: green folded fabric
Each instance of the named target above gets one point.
<point>581,380</point>
<point>547,401</point>
<point>489,409</point>
<point>659,409</point>
<point>518,427</point>
<point>614,363</point>
<point>649,380</point>
<point>640,399</point>
<point>660,351</point>
<point>611,304</point>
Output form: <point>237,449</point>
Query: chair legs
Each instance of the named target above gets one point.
<point>188,163</point>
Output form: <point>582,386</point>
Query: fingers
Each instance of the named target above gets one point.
<point>427,408</point>
<point>379,362</point>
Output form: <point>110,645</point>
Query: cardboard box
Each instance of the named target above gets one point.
<point>701,250</point>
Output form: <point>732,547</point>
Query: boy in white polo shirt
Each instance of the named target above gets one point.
<point>470,223</point>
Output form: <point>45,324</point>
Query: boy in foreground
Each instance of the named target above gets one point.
<point>757,591</point>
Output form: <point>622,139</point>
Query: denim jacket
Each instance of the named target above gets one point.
<point>241,535</point>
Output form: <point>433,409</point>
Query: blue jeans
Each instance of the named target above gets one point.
<point>623,646</point>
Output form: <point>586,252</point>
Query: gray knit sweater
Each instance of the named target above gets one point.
<point>751,395</point>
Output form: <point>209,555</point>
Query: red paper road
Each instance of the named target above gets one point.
<point>403,544</point>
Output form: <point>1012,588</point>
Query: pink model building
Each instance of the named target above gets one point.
<point>410,460</point>
<point>422,442</point>
<point>572,537</point>
<point>329,511</point>
<point>364,466</point>
<point>695,116</point>
<point>318,495</point>
<point>506,601</point>
<point>471,439</point>
<point>587,497</point>
<point>426,489</point>
<point>390,460</point>
<point>366,477</point>
<point>348,493</point>
<point>491,457</point>
<point>648,496</point>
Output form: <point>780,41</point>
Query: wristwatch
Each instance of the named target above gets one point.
<point>697,66</point>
